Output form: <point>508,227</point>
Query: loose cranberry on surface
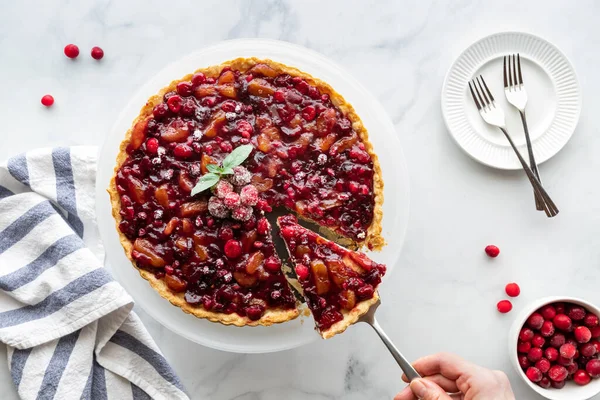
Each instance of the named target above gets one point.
<point>232,200</point>
<point>562,322</point>
<point>504,306</point>
<point>492,251</point>
<point>71,51</point>
<point>47,100</point>
<point>567,350</point>
<point>222,188</point>
<point>576,313</point>
<point>591,320</point>
<point>534,374</point>
<point>593,368</point>
<point>545,383</point>
<point>551,354</point>
<point>582,334</point>
<point>249,195</point>
<point>557,373</point>
<point>543,365</point>
<point>523,347</point>
<point>587,349</point>
<point>535,321</point>
<point>232,249</point>
<point>97,53</point>
<point>595,331</point>
<point>581,377</point>
<point>557,340</point>
<point>524,361</point>
<point>512,289</point>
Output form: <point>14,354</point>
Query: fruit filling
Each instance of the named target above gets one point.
<point>334,279</point>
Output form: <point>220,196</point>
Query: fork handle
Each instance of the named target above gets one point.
<point>539,202</point>
<point>551,209</point>
<point>408,369</point>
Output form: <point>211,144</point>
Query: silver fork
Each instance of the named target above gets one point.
<point>369,318</point>
<point>493,115</point>
<point>515,92</point>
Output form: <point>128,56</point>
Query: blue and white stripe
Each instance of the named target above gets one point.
<point>68,325</point>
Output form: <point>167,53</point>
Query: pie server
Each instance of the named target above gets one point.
<point>369,318</point>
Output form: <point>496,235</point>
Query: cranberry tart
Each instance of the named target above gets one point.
<point>211,253</point>
<point>339,285</point>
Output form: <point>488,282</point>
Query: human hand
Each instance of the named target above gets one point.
<point>448,373</point>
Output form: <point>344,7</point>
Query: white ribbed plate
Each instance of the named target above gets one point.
<point>552,110</point>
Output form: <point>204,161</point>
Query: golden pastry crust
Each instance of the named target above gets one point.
<point>373,239</point>
<point>350,317</point>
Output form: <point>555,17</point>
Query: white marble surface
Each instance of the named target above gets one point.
<point>442,296</point>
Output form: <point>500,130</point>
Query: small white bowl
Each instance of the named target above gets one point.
<point>570,391</point>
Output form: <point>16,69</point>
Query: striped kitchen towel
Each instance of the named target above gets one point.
<point>69,327</point>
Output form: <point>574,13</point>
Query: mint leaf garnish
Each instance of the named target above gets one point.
<point>237,156</point>
<point>206,182</point>
<point>215,169</point>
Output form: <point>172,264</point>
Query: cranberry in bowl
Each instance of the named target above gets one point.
<point>554,344</point>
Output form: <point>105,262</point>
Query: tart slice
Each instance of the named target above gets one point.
<point>339,285</point>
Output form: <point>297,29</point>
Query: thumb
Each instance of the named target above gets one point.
<point>427,390</point>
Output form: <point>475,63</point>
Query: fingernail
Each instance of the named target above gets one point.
<point>418,388</point>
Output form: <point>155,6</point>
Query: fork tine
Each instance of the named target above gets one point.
<point>474,97</point>
<point>486,88</point>
<point>510,82</point>
<point>504,73</point>
<point>484,100</point>
<point>515,69</point>
<point>519,63</point>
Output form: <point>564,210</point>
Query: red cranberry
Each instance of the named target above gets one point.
<point>596,345</point>
<point>547,329</point>
<point>576,313</point>
<point>47,100</point>
<point>534,374</point>
<point>545,383</point>
<point>551,354</point>
<point>492,251</point>
<point>242,213</point>
<point>71,51</point>
<point>198,79</point>
<point>595,331</point>
<point>591,320</point>
<point>557,373</point>
<point>182,150</point>
<point>543,365</point>
<point>535,321</point>
<point>581,377</point>
<point>572,368</point>
<point>567,350</point>
<point>272,264</point>
<point>562,322</point>
<point>309,113</point>
<point>524,361</point>
<point>526,334</point>
<point>504,306</point>
<point>557,340</point>
<point>97,53</point>
<point>548,312</point>
<point>558,385</point>
<point>225,234</point>
<point>184,88</point>
<point>169,270</point>
<point>523,347</point>
<point>593,368</point>
<point>232,200</point>
<point>244,128</point>
<point>512,289</point>
<point>160,110</point>
<point>152,146</point>
<point>254,312</point>
<point>279,96</point>
<point>560,308</point>
<point>587,349</point>
<point>263,226</point>
<point>174,103</point>
<point>535,354</point>
<point>249,195</point>
<point>538,341</point>
<point>583,334</point>
<point>302,272</point>
<point>365,291</point>
<point>233,249</point>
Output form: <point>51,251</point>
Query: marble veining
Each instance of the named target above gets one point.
<point>442,295</point>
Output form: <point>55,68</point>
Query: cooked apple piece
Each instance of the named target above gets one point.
<point>263,143</point>
<point>205,90</point>
<point>302,249</point>
<point>185,182</point>
<point>262,184</point>
<point>326,121</point>
<point>244,279</point>
<point>138,134</point>
<point>162,195</point>
<point>175,283</point>
<point>226,77</point>
<point>171,225</point>
<point>349,262</point>
<point>201,252</point>
<point>264,70</point>
<point>248,238</point>
<point>343,144</point>
<point>193,208</point>
<point>324,143</point>
<point>177,131</point>
<point>254,261</point>
<point>187,226</point>
<point>137,189</point>
<point>260,87</point>
<point>347,299</point>
<point>228,91</point>
<point>319,271</point>
<point>145,247</point>
<point>214,124</point>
